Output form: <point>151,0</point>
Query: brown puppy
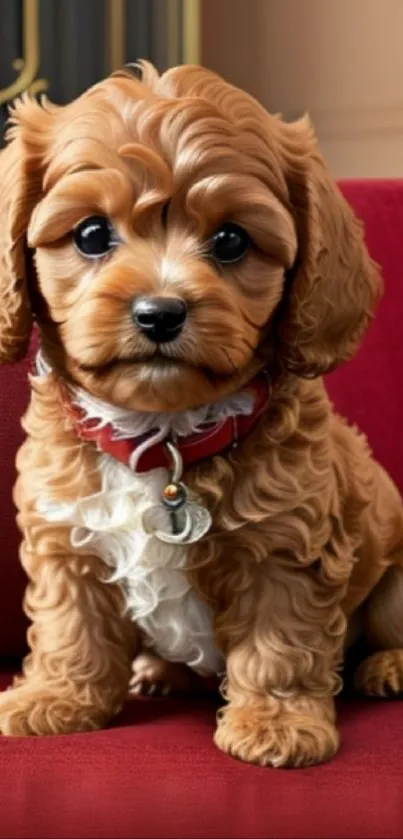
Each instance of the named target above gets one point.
<point>192,270</point>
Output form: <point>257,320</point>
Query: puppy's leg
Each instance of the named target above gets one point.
<point>77,674</point>
<point>281,676</point>
<point>381,674</point>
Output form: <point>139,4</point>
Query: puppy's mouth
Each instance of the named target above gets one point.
<point>159,382</point>
<point>157,360</point>
<point>158,367</point>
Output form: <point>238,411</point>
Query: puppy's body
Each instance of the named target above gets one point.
<point>306,528</point>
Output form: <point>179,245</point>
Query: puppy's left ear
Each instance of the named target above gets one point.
<point>19,189</point>
<point>334,286</point>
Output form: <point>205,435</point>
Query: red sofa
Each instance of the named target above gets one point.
<point>156,773</point>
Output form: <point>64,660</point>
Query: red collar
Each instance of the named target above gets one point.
<point>214,439</point>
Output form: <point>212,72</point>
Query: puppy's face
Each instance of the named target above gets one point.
<point>163,223</point>
<point>160,247</point>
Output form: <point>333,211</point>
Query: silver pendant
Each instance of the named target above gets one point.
<point>191,524</point>
<point>178,519</point>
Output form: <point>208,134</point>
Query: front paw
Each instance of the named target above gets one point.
<point>287,739</point>
<point>30,710</point>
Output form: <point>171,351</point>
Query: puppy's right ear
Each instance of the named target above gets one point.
<point>19,190</point>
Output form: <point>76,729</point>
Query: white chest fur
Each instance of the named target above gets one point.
<point>159,598</point>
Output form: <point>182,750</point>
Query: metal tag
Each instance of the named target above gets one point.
<point>178,519</point>
<point>191,524</point>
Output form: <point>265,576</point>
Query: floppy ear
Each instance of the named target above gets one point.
<point>334,286</point>
<point>19,188</point>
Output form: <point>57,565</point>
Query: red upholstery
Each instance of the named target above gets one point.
<point>369,390</point>
<point>156,773</point>
<point>13,400</point>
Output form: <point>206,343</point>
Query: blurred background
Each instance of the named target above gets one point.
<point>340,60</point>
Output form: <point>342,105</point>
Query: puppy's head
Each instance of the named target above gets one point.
<point>171,238</point>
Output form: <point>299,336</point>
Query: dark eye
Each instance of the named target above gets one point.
<point>230,243</point>
<point>94,236</point>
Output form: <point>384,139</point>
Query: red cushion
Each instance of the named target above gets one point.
<point>158,774</point>
<point>369,390</point>
<point>13,401</point>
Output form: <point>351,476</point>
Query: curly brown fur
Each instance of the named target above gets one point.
<point>305,523</point>
<point>305,493</point>
<point>76,676</point>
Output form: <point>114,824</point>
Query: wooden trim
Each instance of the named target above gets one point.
<point>116,30</point>
<point>27,65</point>
<point>173,32</point>
<point>191,31</point>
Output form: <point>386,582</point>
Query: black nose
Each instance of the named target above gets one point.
<point>159,318</point>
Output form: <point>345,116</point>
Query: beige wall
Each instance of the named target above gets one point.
<point>342,60</point>
<point>231,41</point>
